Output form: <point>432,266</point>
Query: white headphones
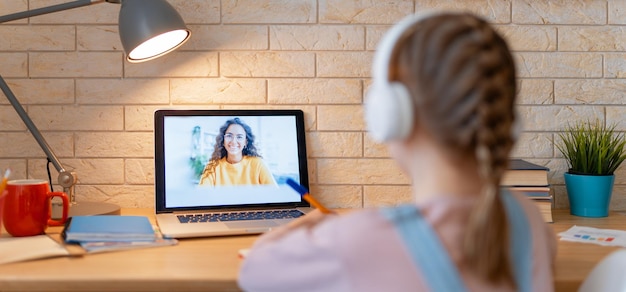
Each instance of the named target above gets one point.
<point>389,105</point>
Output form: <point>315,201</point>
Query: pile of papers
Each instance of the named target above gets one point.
<point>107,233</point>
<point>606,237</point>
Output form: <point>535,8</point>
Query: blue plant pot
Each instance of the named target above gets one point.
<point>589,195</point>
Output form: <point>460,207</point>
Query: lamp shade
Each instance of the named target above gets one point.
<point>150,28</point>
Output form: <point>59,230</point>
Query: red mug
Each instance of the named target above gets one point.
<point>27,207</point>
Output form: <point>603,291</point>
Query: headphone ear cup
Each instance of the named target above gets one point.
<point>389,108</point>
<point>389,112</point>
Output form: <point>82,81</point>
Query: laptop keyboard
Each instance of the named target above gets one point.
<point>239,216</point>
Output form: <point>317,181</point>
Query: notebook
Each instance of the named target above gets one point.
<point>108,228</point>
<point>224,172</point>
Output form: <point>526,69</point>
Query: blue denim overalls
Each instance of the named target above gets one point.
<point>429,254</point>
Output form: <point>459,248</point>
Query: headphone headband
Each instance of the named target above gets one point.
<point>387,45</point>
<point>389,105</point>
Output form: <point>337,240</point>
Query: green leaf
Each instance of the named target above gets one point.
<point>592,148</point>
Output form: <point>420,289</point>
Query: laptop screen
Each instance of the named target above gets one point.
<point>214,159</point>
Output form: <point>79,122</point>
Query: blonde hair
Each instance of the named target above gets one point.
<point>461,75</point>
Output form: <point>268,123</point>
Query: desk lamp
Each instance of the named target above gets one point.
<point>148,29</point>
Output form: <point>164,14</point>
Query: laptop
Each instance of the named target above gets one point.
<point>198,194</point>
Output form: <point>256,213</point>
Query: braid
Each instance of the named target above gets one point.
<point>463,84</point>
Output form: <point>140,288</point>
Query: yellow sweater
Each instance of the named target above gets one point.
<point>249,171</point>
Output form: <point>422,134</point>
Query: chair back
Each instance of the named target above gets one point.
<point>608,275</point>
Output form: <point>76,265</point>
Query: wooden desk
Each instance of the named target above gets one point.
<point>203,264</point>
<point>575,260</point>
<point>207,264</point>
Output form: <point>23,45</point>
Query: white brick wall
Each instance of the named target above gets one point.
<point>95,109</point>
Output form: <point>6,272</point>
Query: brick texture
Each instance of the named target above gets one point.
<point>96,110</point>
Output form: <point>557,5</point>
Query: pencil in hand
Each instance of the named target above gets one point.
<point>306,196</point>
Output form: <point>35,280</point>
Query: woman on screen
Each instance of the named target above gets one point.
<point>235,159</point>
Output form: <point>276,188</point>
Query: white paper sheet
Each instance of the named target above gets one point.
<point>606,237</point>
<point>15,249</point>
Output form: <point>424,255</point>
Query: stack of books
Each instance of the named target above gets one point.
<point>108,233</point>
<point>531,179</point>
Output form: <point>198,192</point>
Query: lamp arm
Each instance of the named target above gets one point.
<point>66,178</point>
<point>30,125</point>
<point>145,20</point>
<point>46,10</point>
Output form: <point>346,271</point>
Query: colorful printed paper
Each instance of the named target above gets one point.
<point>606,237</point>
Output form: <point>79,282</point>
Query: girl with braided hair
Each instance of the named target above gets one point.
<point>443,101</point>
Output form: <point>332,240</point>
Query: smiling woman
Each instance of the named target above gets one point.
<point>235,159</point>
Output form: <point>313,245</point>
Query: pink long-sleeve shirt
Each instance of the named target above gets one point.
<point>362,251</point>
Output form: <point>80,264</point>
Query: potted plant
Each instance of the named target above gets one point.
<point>593,152</point>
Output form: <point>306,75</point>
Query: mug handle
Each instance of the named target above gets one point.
<point>66,205</point>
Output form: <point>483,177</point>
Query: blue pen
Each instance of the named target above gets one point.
<point>306,196</point>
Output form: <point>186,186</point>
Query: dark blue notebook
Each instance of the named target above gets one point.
<point>522,173</point>
<point>108,228</point>
<point>520,164</point>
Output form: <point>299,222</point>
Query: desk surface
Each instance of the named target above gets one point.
<point>212,264</point>
<point>575,260</point>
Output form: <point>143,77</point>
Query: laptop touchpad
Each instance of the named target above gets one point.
<point>251,224</point>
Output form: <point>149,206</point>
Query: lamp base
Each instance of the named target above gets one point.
<point>93,208</point>
<point>85,209</point>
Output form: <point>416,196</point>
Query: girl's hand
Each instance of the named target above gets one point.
<point>307,221</point>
